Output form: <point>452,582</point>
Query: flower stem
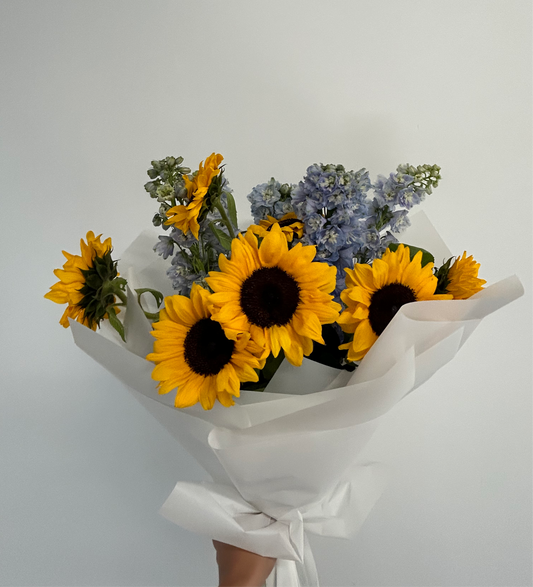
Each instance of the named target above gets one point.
<point>225,219</point>
<point>115,287</point>
<point>151,315</point>
<point>121,295</point>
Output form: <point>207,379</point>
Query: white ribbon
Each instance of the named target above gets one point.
<point>288,573</point>
<point>220,512</point>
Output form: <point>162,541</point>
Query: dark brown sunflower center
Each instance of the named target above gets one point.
<point>385,302</point>
<point>269,297</point>
<point>283,223</point>
<point>207,349</point>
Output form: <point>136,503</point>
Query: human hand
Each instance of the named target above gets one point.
<point>241,568</point>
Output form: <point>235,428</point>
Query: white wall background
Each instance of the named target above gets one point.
<point>91,91</point>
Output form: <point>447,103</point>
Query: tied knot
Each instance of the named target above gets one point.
<point>221,512</point>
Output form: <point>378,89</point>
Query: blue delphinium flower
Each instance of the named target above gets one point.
<point>165,246</point>
<point>394,196</point>
<point>331,202</point>
<point>270,199</point>
<point>176,238</point>
<point>399,221</point>
<point>341,218</point>
<point>192,259</point>
<point>182,275</point>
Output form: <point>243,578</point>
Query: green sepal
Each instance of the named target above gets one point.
<point>222,237</point>
<point>121,282</point>
<point>105,267</point>
<point>232,209</point>
<point>98,288</point>
<point>93,280</point>
<point>115,322</point>
<point>442,277</point>
<point>427,257</point>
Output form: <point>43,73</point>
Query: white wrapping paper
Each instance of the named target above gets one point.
<point>286,461</point>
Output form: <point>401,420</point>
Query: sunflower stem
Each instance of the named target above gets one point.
<point>151,315</point>
<point>158,296</point>
<point>225,219</point>
<point>120,294</point>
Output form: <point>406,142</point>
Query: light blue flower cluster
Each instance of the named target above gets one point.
<point>394,196</point>
<point>346,217</point>
<point>191,259</point>
<point>271,198</point>
<point>332,204</point>
<point>341,219</point>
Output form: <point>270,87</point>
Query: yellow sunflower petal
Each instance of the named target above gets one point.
<point>180,309</point>
<point>295,354</point>
<point>306,323</point>
<point>186,397</point>
<point>364,276</point>
<point>273,247</point>
<point>208,392</point>
<point>463,278</point>
<point>225,399</point>
<point>380,270</point>
<point>364,337</point>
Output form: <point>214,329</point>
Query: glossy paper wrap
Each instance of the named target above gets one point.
<point>285,462</point>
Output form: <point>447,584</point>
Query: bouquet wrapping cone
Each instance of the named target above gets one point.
<point>286,461</point>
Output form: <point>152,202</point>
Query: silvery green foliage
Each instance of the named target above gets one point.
<point>167,186</point>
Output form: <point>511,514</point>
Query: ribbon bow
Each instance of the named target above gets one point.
<point>220,512</point>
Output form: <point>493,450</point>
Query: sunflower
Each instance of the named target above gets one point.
<point>375,293</point>
<point>186,217</point>
<point>280,297</point>
<point>463,281</point>
<point>196,355</point>
<point>289,223</point>
<point>81,283</point>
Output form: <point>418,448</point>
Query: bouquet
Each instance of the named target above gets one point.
<point>277,349</point>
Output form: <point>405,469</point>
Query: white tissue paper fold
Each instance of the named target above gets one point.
<point>286,461</point>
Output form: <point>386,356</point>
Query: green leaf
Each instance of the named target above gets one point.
<point>329,354</point>
<point>222,237</point>
<point>271,365</point>
<point>115,322</point>
<point>232,209</point>
<point>427,257</point>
